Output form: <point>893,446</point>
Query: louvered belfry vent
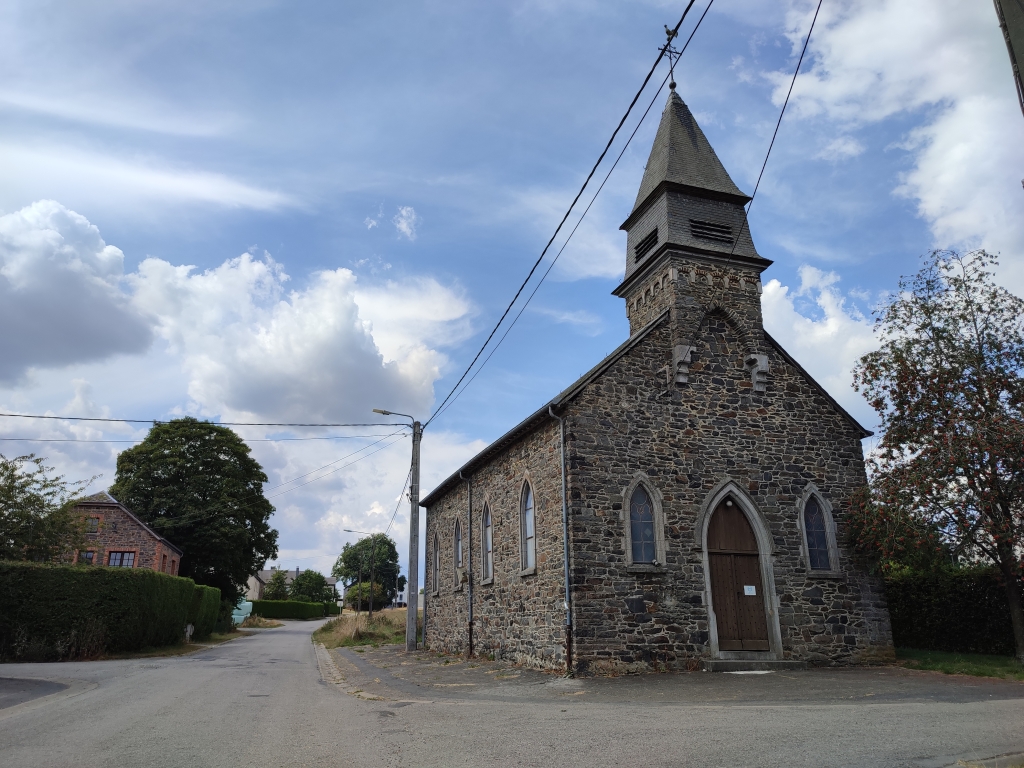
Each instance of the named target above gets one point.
<point>709,230</point>
<point>644,246</point>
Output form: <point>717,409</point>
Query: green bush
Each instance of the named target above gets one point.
<point>360,593</point>
<point>960,610</point>
<point>332,609</point>
<point>287,609</point>
<point>55,612</point>
<point>204,611</point>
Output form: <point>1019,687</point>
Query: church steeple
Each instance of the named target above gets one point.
<point>687,242</point>
<point>682,157</point>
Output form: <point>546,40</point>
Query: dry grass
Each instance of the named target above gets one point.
<point>386,628</point>
<point>258,622</point>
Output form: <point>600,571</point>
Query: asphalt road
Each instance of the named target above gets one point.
<point>270,700</point>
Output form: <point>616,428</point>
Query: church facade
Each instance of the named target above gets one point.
<point>681,504</point>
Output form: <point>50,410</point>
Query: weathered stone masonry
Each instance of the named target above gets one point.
<point>699,406</point>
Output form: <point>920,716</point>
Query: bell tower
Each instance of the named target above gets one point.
<point>688,247</point>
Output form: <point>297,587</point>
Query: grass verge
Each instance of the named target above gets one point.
<point>976,664</point>
<point>177,650</point>
<point>258,622</point>
<point>386,628</point>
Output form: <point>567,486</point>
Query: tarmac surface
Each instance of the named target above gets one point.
<point>273,699</point>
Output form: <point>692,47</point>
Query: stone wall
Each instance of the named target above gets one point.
<point>518,616</point>
<point>686,439</point>
<point>119,532</point>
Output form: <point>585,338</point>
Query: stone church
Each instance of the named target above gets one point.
<point>682,504</point>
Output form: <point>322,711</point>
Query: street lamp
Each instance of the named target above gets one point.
<point>411,614</point>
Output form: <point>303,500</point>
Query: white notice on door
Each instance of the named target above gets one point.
<point>749,589</point>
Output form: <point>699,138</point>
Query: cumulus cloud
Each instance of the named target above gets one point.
<point>61,300</point>
<point>406,221</point>
<point>828,345</point>
<point>249,345</point>
<point>953,72</point>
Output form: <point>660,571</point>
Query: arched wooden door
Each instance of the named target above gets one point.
<point>737,594</point>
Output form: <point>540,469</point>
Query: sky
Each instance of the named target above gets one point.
<point>297,212</point>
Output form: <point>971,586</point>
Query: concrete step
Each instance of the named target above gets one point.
<point>750,665</point>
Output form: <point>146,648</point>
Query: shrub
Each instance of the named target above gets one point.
<point>362,591</point>
<point>55,612</point>
<point>953,609</point>
<point>287,609</point>
<point>204,611</point>
<point>332,609</point>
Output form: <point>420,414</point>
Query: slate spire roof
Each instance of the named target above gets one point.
<point>682,157</point>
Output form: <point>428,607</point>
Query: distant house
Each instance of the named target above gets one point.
<point>258,582</point>
<point>117,538</point>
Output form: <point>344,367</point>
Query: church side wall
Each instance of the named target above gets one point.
<point>517,617</point>
<point>684,441</point>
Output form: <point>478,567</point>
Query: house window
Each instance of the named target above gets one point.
<point>817,536</point>
<point>436,564</point>
<point>121,560</point>
<point>92,525</point>
<point>458,544</point>
<point>86,558</point>
<point>529,529</point>
<point>487,543</point>
<point>163,564</point>
<point>174,567</point>
<point>641,526</point>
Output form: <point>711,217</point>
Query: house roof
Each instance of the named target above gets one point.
<point>103,498</point>
<point>682,156</point>
<point>289,575</point>
<point>542,414</point>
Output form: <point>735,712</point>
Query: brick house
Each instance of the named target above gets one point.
<point>117,538</point>
<point>681,504</point>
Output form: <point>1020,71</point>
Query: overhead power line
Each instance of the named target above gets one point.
<point>140,439</point>
<point>572,205</point>
<point>216,423</point>
<point>604,181</point>
<point>746,219</point>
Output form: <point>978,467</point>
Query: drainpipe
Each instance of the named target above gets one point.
<point>469,558</point>
<point>565,545</point>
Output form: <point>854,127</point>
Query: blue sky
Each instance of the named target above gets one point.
<point>267,211</point>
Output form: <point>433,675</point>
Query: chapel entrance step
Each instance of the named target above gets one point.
<point>750,665</point>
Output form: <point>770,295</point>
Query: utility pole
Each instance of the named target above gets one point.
<point>412,612</point>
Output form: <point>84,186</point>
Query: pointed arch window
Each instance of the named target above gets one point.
<point>487,545</point>
<point>435,565</point>
<point>816,531</point>
<point>528,525</point>
<point>643,522</point>
<point>641,527</point>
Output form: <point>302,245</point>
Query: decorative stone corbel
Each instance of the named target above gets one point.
<point>681,362</point>
<point>758,367</point>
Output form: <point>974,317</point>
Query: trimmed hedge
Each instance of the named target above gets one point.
<point>332,609</point>
<point>961,610</point>
<point>55,612</point>
<point>204,611</point>
<point>287,609</point>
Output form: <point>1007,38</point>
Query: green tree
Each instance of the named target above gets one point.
<point>378,548</point>
<point>37,516</point>
<point>196,484</point>
<point>277,587</point>
<point>948,385</point>
<point>310,587</point>
<point>358,595</point>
